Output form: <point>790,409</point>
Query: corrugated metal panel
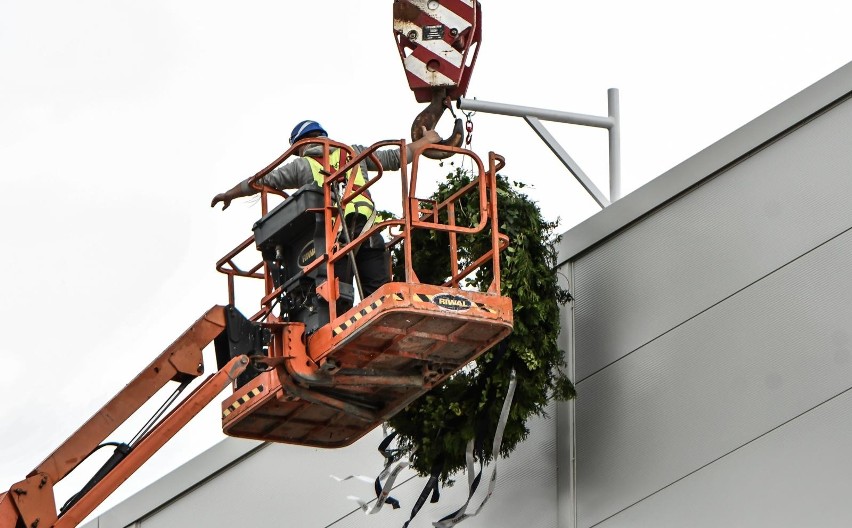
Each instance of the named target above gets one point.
<point>195,470</point>
<point>709,386</point>
<point>290,486</point>
<point>797,475</point>
<point>712,242</point>
<point>525,494</point>
<point>276,486</point>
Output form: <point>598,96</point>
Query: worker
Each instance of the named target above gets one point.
<point>371,257</point>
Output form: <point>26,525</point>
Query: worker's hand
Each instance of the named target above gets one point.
<point>221,197</point>
<point>430,136</point>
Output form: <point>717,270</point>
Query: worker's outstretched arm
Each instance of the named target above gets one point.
<point>237,191</point>
<point>294,175</point>
<point>287,176</point>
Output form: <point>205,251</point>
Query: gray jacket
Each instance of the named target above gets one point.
<point>298,172</point>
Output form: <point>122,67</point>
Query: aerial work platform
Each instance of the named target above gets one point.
<point>322,363</point>
<point>325,372</point>
<point>380,356</point>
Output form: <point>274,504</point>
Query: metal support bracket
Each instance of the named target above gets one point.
<point>567,160</point>
<point>533,115</point>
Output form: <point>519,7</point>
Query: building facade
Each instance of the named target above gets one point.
<point>710,339</point>
<point>712,332</point>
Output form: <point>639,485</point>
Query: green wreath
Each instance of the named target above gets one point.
<point>434,430</point>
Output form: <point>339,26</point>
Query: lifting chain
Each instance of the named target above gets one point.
<point>468,125</point>
<point>468,121</point>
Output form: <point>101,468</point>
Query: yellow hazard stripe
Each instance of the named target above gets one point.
<point>242,400</point>
<point>486,308</point>
<point>360,314</point>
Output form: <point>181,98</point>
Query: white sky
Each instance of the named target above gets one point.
<point>120,120</point>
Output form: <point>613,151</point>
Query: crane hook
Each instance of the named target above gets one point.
<point>429,118</point>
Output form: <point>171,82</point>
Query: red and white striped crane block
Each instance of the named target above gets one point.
<point>438,41</point>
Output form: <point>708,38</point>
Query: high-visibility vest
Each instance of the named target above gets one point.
<point>362,203</point>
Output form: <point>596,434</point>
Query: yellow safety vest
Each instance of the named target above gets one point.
<point>362,203</point>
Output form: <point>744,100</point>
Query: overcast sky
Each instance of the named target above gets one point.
<point>120,120</point>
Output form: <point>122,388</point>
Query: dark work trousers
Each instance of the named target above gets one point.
<point>371,258</point>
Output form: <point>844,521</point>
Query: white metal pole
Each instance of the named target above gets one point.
<point>614,146</point>
<point>532,116</point>
<point>477,105</point>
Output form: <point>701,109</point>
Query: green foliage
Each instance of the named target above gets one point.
<point>440,423</point>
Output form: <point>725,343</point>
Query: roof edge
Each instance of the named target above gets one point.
<point>706,162</point>
<point>175,483</point>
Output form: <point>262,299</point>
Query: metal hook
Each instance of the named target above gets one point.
<point>429,117</point>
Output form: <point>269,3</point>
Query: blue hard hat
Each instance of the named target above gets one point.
<point>304,128</point>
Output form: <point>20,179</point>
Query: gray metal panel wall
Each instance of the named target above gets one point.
<point>711,331</point>
<point>797,475</point>
<point>282,485</point>
<point>709,161</point>
<point>710,243</point>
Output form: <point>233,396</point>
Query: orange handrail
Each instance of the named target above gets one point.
<point>414,216</point>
